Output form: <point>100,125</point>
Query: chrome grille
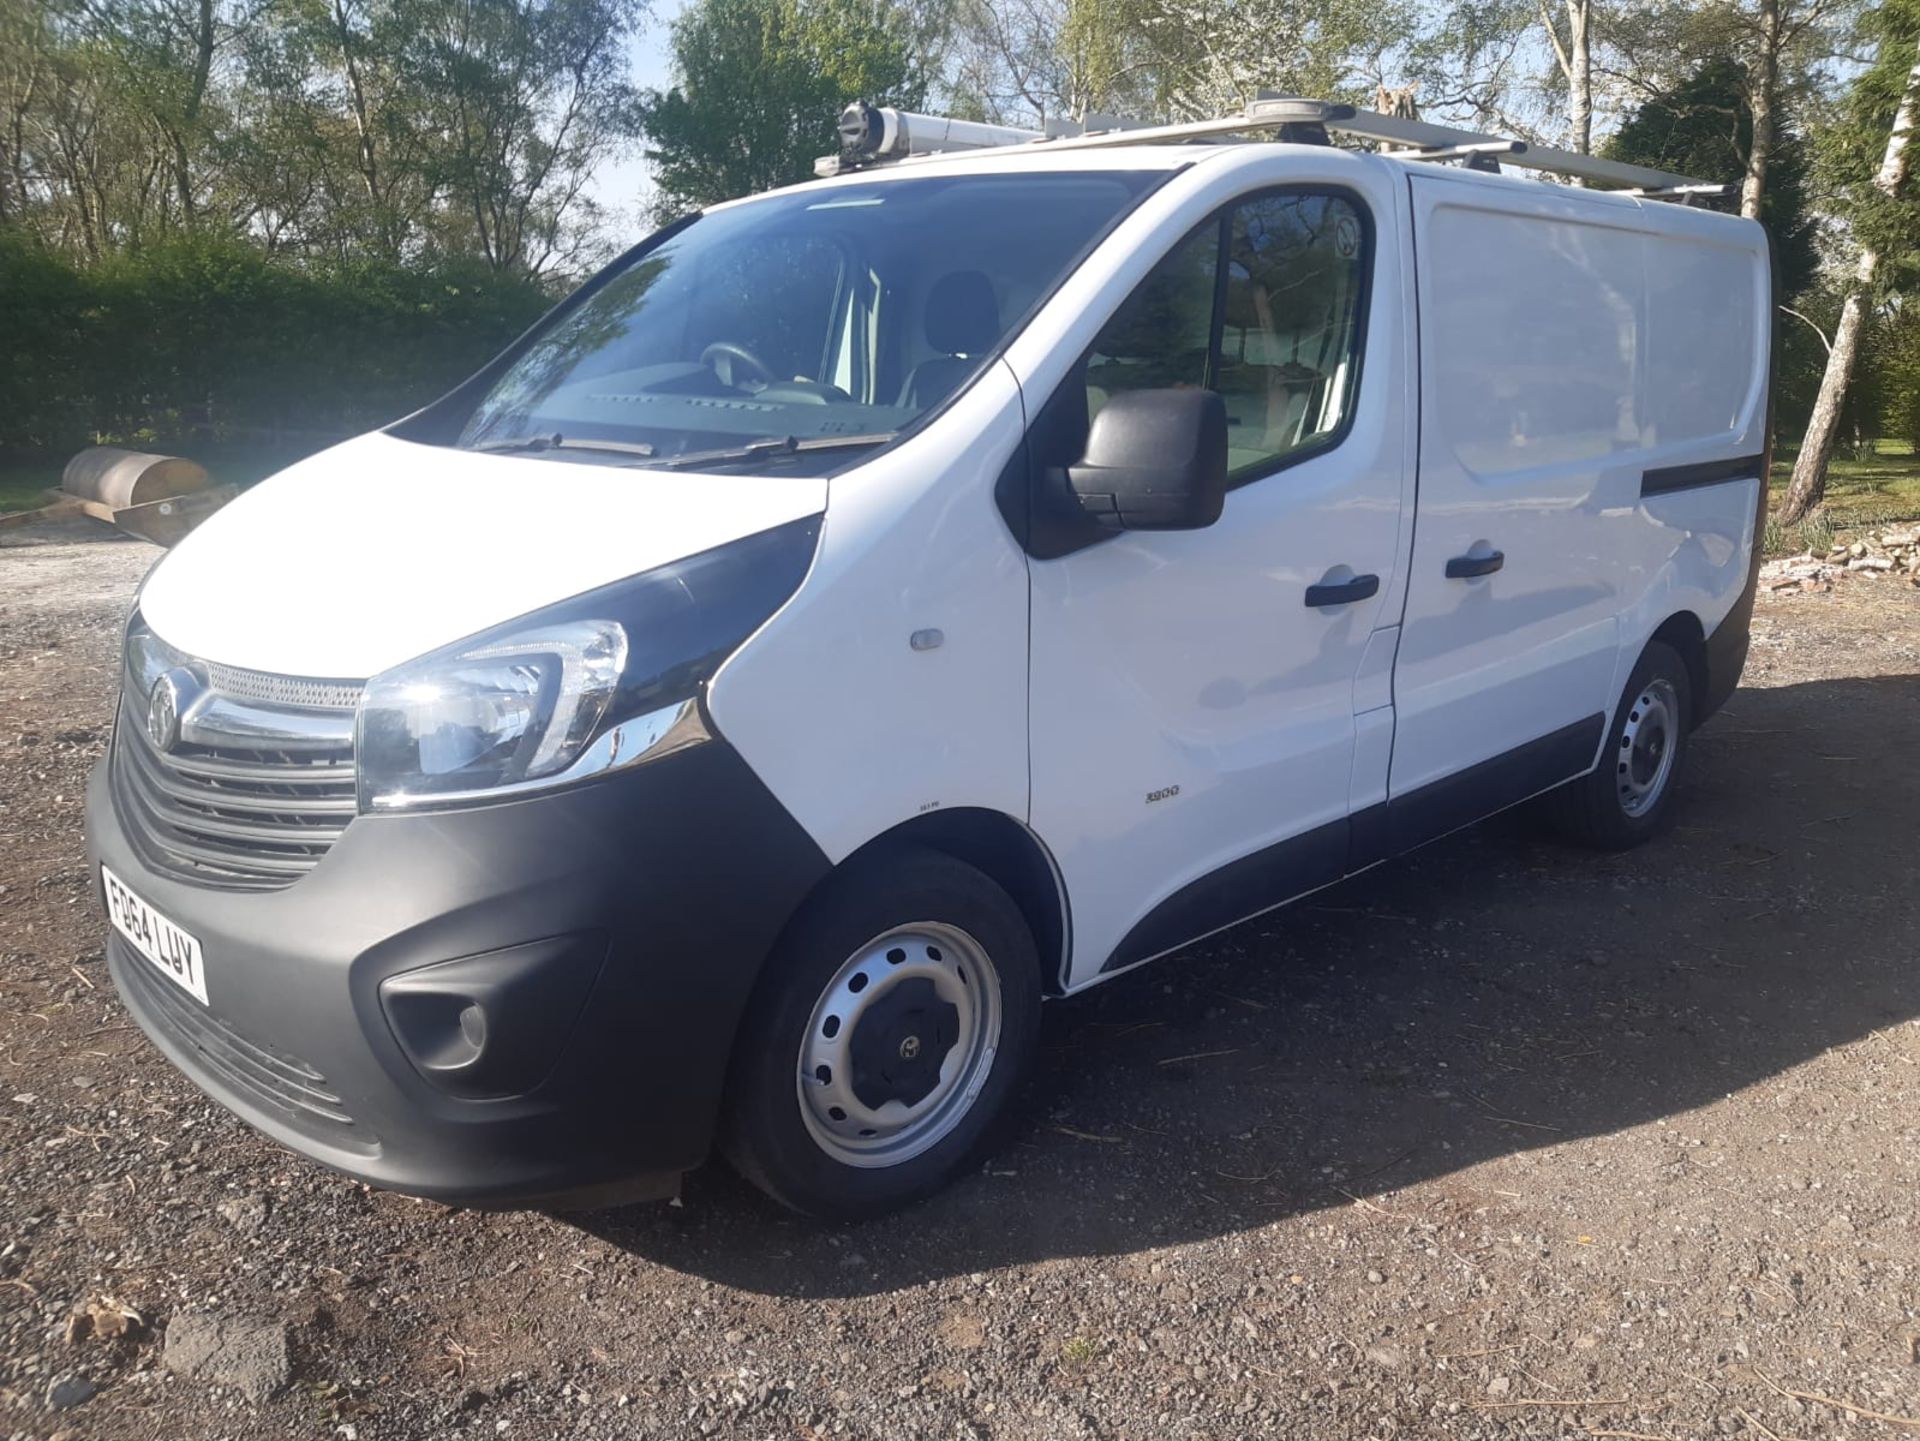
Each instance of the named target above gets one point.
<point>282,690</point>
<point>254,792</point>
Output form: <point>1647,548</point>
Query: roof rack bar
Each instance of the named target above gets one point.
<point>1484,150</point>
<point>1301,114</point>
<point>1424,135</point>
<point>1698,190</point>
<point>871,135</point>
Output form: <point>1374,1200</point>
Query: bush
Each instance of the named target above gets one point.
<point>211,340</point>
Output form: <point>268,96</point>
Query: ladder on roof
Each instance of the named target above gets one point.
<point>875,135</point>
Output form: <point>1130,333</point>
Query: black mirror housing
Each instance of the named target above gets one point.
<point>1156,460</point>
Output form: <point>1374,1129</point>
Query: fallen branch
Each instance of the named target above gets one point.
<point>1090,1136</point>
<point>1197,1056</point>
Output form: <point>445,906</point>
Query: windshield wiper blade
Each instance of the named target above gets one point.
<point>773,448</point>
<point>536,443</point>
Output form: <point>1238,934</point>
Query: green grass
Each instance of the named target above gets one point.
<point>23,482</point>
<point>1876,490</point>
<point>21,485</point>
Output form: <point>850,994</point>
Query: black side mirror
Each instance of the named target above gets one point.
<point>1156,460</point>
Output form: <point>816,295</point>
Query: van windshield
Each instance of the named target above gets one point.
<point>804,327</point>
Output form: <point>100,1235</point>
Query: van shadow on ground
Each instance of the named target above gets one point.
<point>1494,993</point>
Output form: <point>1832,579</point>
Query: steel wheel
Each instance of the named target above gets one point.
<point>1648,744</point>
<point>899,1045</point>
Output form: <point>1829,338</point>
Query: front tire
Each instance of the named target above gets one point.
<point>896,1018</point>
<point>1628,797</point>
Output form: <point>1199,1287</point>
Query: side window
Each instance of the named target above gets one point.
<point>1279,339</point>
<point>1290,332</point>
<point>1161,335</point>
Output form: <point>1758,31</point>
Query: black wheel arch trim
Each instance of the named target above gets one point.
<point>1010,854</point>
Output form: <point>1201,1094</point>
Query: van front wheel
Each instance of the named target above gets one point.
<point>1628,797</point>
<point>894,1021</point>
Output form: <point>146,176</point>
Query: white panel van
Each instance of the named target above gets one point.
<point>870,608</point>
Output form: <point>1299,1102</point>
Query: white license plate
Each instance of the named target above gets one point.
<point>176,953</point>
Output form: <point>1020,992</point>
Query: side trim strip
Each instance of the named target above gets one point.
<point>1443,806</point>
<point>1710,472</point>
<point>1238,891</point>
<point>1289,869</point>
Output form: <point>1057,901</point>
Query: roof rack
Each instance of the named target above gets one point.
<point>874,135</point>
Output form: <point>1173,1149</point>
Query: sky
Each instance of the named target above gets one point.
<point>621,187</point>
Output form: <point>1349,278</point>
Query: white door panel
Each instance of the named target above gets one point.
<point>1189,709</point>
<point>1532,347</point>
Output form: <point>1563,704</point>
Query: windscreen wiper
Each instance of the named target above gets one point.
<point>773,448</point>
<point>536,443</point>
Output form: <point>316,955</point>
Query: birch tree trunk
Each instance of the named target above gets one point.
<point>1574,56</point>
<point>1580,77</point>
<point>1809,485</point>
<point>1763,84</point>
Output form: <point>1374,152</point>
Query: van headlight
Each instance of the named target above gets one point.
<point>601,681</point>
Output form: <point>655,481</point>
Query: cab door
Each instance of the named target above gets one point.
<point>1193,693</point>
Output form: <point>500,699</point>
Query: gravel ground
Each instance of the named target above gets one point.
<point>1506,1140</point>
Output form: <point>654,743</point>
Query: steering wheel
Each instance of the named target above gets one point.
<point>728,359</point>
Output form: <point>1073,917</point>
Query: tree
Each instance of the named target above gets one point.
<point>1703,126</point>
<point>388,128</point>
<point>1781,53</point>
<point>1573,53</point>
<point>1216,55</point>
<point>1897,359</point>
<point>759,86</point>
<point>1030,61</point>
<point>530,97</point>
<point>1886,218</point>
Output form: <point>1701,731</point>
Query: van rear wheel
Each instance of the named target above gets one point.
<point>1628,797</point>
<point>894,1021</point>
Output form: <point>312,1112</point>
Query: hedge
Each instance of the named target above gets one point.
<point>213,340</point>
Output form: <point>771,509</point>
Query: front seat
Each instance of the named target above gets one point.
<point>963,324</point>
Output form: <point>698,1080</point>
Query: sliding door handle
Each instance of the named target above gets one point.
<point>1466,567</point>
<point>1344,592</point>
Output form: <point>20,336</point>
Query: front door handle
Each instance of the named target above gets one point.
<point>1344,592</point>
<point>1466,567</point>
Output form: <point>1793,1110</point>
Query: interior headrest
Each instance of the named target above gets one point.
<point>963,317</point>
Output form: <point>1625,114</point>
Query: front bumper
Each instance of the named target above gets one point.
<point>656,893</point>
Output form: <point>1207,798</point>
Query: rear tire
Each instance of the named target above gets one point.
<point>894,1021</point>
<point>1628,797</point>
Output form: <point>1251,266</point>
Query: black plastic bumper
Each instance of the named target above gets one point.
<point>656,894</point>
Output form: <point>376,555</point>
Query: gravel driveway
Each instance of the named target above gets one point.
<point>1502,1140</point>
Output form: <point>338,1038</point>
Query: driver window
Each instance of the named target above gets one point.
<point>1276,333</point>
<point>1289,325</point>
<point>1159,337</point>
